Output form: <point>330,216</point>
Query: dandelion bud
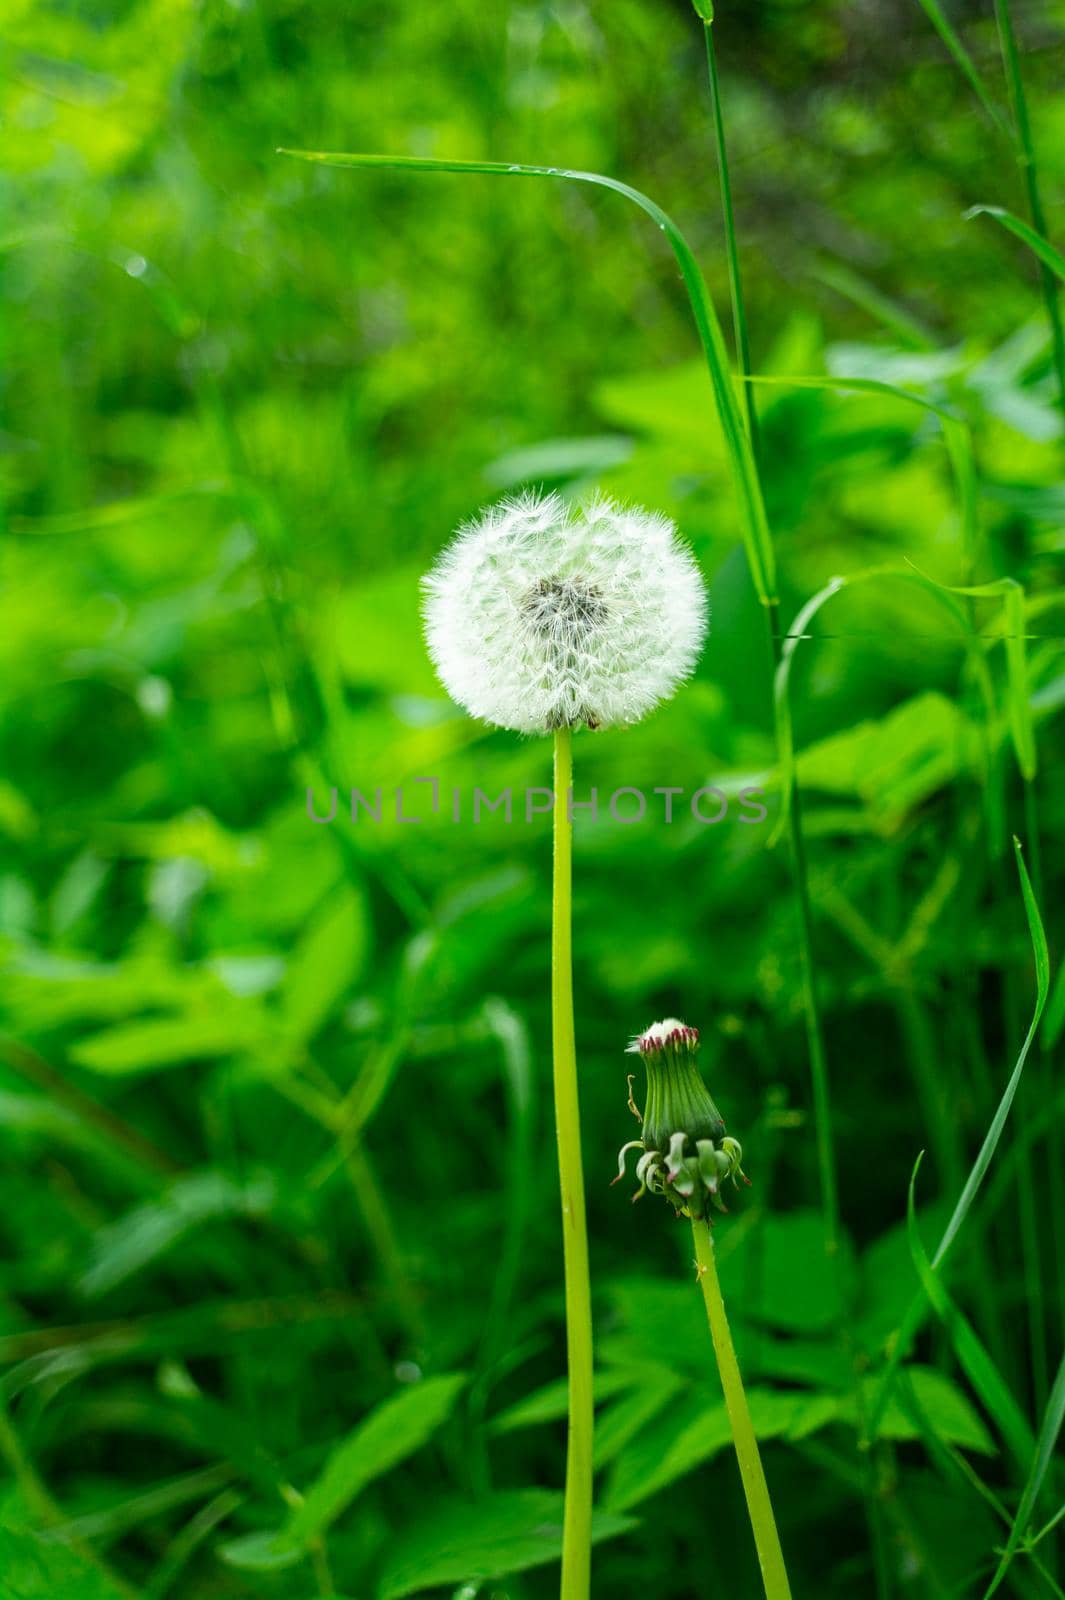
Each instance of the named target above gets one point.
<point>687,1155</point>
<point>539,615</point>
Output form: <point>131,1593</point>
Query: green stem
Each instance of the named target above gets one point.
<point>1031,1096</point>
<point>739,312</point>
<point>800,877</point>
<point>39,1511</point>
<point>577,1521</point>
<point>755,1488</point>
<point>377,1220</point>
<point>1026,156</point>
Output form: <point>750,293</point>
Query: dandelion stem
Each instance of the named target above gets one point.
<point>577,1521</point>
<point>755,1488</point>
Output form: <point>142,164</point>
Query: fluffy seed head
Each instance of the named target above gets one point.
<point>539,615</point>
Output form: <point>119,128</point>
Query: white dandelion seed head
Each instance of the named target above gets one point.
<point>540,615</point>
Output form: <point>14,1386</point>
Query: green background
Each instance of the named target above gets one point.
<point>275,1104</point>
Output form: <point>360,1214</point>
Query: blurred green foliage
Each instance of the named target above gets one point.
<point>281,1271</point>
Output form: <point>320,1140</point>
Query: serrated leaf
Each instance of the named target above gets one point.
<point>633,1411</point>
<point>798,1287</point>
<point>940,1402</point>
<point>681,1443</point>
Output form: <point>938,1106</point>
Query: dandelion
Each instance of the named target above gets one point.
<point>541,617</point>
<point>686,1156</point>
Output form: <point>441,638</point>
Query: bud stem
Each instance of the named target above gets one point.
<point>755,1488</point>
<point>577,1520</point>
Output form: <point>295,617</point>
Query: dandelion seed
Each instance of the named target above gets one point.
<point>540,616</point>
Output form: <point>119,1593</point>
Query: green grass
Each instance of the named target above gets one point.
<point>281,1273</point>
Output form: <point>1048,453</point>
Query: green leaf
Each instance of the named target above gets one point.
<point>798,1288</point>
<point>508,1532</point>
<point>549,1404</point>
<point>940,1402</point>
<point>560,460</point>
<point>151,1230</point>
<point>895,763</point>
<point>957,435</point>
<point>37,1568</point>
<point>142,1047</point>
<point>373,627</point>
<point>680,1444</point>
<point>623,1420</point>
<point>259,1552</point>
<point>1036,243</point>
<point>393,1431</point>
<point>800,629</point>
<point>326,963</point>
<point>887,1276</point>
<point>1012,595</point>
<point>1054,1025</point>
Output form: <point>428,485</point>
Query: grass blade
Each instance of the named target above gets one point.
<point>739,309</point>
<point>915,1313</point>
<point>799,630</point>
<point>957,440</point>
<point>1044,1454</point>
<point>998,1122</point>
<point>1011,65</point>
<point>1036,243</point>
<point>964,61</point>
<point>1014,624</point>
<point>740,452</point>
<point>973,1358</point>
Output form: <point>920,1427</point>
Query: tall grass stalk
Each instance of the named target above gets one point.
<point>1026,158</point>
<point>739,308</point>
<point>815,1044</point>
<point>755,1488</point>
<point>915,1314</point>
<point>818,1060</point>
<point>577,1521</point>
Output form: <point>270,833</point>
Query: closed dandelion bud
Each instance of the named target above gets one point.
<point>540,615</point>
<point>687,1155</point>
